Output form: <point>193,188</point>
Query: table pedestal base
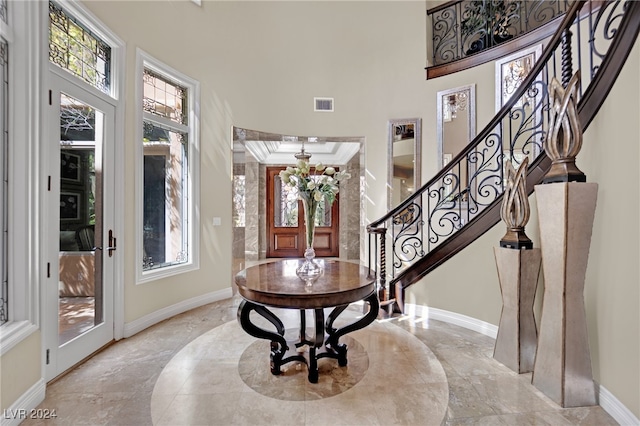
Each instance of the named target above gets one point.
<point>324,343</point>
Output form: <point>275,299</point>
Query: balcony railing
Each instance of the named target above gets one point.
<point>465,27</point>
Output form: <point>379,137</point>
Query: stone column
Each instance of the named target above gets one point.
<point>518,272</point>
<point>562,369</point>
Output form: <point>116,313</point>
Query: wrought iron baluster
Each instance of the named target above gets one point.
<point>528,124</point>
<point>567,63</point>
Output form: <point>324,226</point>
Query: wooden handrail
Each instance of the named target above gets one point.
<point>500,115</point>
<point>589,104</point>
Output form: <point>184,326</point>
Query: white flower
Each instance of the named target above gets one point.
<point>323,183</point>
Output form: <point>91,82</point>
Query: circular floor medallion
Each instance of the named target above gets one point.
<point>293,383</point>
<point>223,377</point>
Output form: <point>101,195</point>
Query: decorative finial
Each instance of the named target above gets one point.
<point>564,139</point>
<point>515,208</point>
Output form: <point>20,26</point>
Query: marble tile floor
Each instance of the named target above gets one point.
<point>201,368</point>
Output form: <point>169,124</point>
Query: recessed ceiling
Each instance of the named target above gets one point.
<point>269,148</point>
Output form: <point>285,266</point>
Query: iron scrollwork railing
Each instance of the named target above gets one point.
<point>475,179</point>
<point>465,27</point>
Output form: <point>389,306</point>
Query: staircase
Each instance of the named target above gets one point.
<point>447,214</point>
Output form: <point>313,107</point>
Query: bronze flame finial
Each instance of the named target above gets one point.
<point>564,139</point>
<point>515,208</point>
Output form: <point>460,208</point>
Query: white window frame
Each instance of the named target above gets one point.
<point>146,61</point>
<point>24,35</point>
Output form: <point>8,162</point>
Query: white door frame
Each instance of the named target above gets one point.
<point>59,359</point>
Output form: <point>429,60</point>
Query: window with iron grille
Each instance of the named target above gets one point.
<point>4,118</point>
<point>167,164</point>
<point>76,49</point>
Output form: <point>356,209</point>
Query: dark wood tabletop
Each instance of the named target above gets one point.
<point>276,284</point>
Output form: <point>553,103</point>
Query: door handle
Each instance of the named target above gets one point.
<point>112,243</point>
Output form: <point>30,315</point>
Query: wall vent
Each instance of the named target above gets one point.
<point>323,104</point>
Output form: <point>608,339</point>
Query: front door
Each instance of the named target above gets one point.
<point>285,222</point>
<point>79,295</point>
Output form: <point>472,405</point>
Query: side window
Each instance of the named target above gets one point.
<point>4,142</point>
<point>169,164</point>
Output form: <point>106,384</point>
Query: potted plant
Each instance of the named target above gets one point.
<point>486,23</point>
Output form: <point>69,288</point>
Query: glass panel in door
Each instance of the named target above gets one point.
<point>285,224</point>
<point>80,287</point>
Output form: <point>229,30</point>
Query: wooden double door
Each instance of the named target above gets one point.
<point>285,222</point>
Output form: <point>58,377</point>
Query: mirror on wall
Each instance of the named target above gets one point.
<point>405,139</point>
<point>455,128</point>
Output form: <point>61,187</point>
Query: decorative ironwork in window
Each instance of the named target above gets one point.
<point>164,98</point>
<point>4,170</point>
<point>3,10</point>
<point>79,51</point>
<point>286,212</point>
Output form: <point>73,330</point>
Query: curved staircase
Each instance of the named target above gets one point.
<point>447,214</point>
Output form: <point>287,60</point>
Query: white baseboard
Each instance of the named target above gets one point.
<point>452,318</point>
<point>153,318</point>
<point>607,400</point>
<point>615,408</point>
<point>22,408</point>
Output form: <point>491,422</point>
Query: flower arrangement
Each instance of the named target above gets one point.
<point>323,184</point>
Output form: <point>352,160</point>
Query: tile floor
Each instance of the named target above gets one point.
<point>201,368</point>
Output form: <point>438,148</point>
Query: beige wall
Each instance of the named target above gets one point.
<point>20,370</point>
<point>609,157</point>
<point>261,63</point>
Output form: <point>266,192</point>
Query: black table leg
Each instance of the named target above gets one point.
<point>340,349</point>
<point>332,348</point>
<point>278,342</point>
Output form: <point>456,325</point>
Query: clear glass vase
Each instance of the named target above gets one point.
<point>309,271</point>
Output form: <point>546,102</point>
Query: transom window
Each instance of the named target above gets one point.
<point>168,163</point>
<point>77,50</point>
<point>164,98</point>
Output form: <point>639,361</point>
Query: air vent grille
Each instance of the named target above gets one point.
<point>323,104</point>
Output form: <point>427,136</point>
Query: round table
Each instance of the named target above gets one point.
<point>275,284</point>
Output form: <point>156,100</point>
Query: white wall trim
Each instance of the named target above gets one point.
<point>607,400</point>
<point>21,408</point>
<point>615,408</point>
<point>452,318</point>
<point>13,333</point>
<point>146,321</point>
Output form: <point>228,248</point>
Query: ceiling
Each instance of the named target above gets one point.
<point>270,148</point>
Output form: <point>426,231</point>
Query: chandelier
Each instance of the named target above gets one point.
<point>302,155</point>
